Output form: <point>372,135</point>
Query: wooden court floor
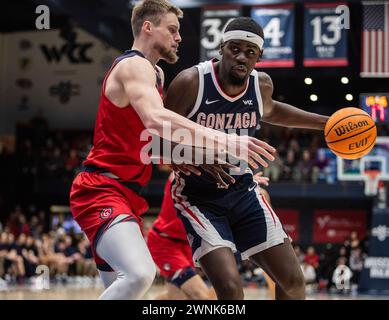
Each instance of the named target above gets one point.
<point>91,292</point>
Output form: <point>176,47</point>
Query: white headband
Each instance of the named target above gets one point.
<point>244,35</point>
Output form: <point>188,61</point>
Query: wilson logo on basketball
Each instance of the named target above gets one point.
<point>343,129</point>
<point>105,213</point>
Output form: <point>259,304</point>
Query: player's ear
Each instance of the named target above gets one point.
<point>147,26</point>
<point>221,48</point>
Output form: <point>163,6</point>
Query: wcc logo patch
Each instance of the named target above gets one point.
<point>105,213</point>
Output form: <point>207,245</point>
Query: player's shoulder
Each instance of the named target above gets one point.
<point>188,75</point>
<point>134,67</point>
<point>182,92</point>
<point>265,82</point>
<point>187,80</point>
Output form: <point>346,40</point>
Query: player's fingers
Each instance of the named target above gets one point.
<point>252,164</point>
<point>255,158</point>
<point>184,171</point>
<point>222,183</point>
<point>263,144</point>
<point>225,176</point>
<point>215,173</point>
<point>192,169</point>
<point>261,151</point>
<point>263,180</point>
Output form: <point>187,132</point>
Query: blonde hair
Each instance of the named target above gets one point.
<point>151,10</point>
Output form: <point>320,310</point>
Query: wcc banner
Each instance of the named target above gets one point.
<point>45,73</point>
<point>277,22</point>
<point>375,39</point>
<point>325,38</point>
<point>214,19</point>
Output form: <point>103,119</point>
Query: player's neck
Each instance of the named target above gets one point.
<point>223,79</point>
<point>149,53</point>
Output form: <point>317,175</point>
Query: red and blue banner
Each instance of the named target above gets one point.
<point>325,35</point>
<point>278,23</point>
<point>335,226</point>
<point>214,20</point>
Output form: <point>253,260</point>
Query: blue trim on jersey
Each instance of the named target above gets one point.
<point>132,53</point>
<point>183,276</point>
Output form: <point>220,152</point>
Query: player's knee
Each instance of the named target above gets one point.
<point>199,294</point>
<point>145,276</point>
<point>295,286</point>
<point>230,290</point>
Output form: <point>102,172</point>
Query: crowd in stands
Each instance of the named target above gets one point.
<point>26,243</point>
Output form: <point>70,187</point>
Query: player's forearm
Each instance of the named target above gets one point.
<point>290,116</point>
<point>172,152</point>
<point>198,136</point>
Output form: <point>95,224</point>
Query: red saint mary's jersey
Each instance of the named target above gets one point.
<point>167,221</point>
<point>116,142</point>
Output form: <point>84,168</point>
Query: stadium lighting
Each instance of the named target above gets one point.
<point>349,97</point>
<point>344,80</point>
<point>308,81</point>
<point>313,97</point>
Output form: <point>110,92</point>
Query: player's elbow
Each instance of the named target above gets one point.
<point>154,121</point>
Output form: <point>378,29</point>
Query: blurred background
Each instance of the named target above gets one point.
<point>321,55</point>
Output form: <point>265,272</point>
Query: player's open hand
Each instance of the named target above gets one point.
<point>223,179</point>
<point>260,179</point>
<point>251,150</point>
<point>186,169</point>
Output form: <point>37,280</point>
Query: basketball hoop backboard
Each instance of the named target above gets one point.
<point>371,168</point>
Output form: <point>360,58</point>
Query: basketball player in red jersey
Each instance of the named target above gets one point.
<point>171,252</point>
<point>105,198</point>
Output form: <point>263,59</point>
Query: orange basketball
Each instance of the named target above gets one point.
<point>350,133</point>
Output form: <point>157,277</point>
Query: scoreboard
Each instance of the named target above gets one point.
<point>376,105</point>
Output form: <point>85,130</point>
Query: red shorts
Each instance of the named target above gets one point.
<point>96,200</point>
<point>168,254</point>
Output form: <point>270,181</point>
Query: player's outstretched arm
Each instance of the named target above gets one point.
<point>284,114</point>
<point>137,77</point>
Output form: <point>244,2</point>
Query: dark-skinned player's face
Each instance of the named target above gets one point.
<point>238,59</point>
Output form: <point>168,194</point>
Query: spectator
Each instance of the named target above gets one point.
<point>319,166</point>
<point>342,276</point>
<point>343,254</point>
<point>24,228</point>
<point>288,169</point>
<point>309,273</point>
<point>30,255</point>
<point>311,257</point>
<point>304,167</point>
<point>14,264</point>
<point>356,264</point>
<point>299,253</point>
